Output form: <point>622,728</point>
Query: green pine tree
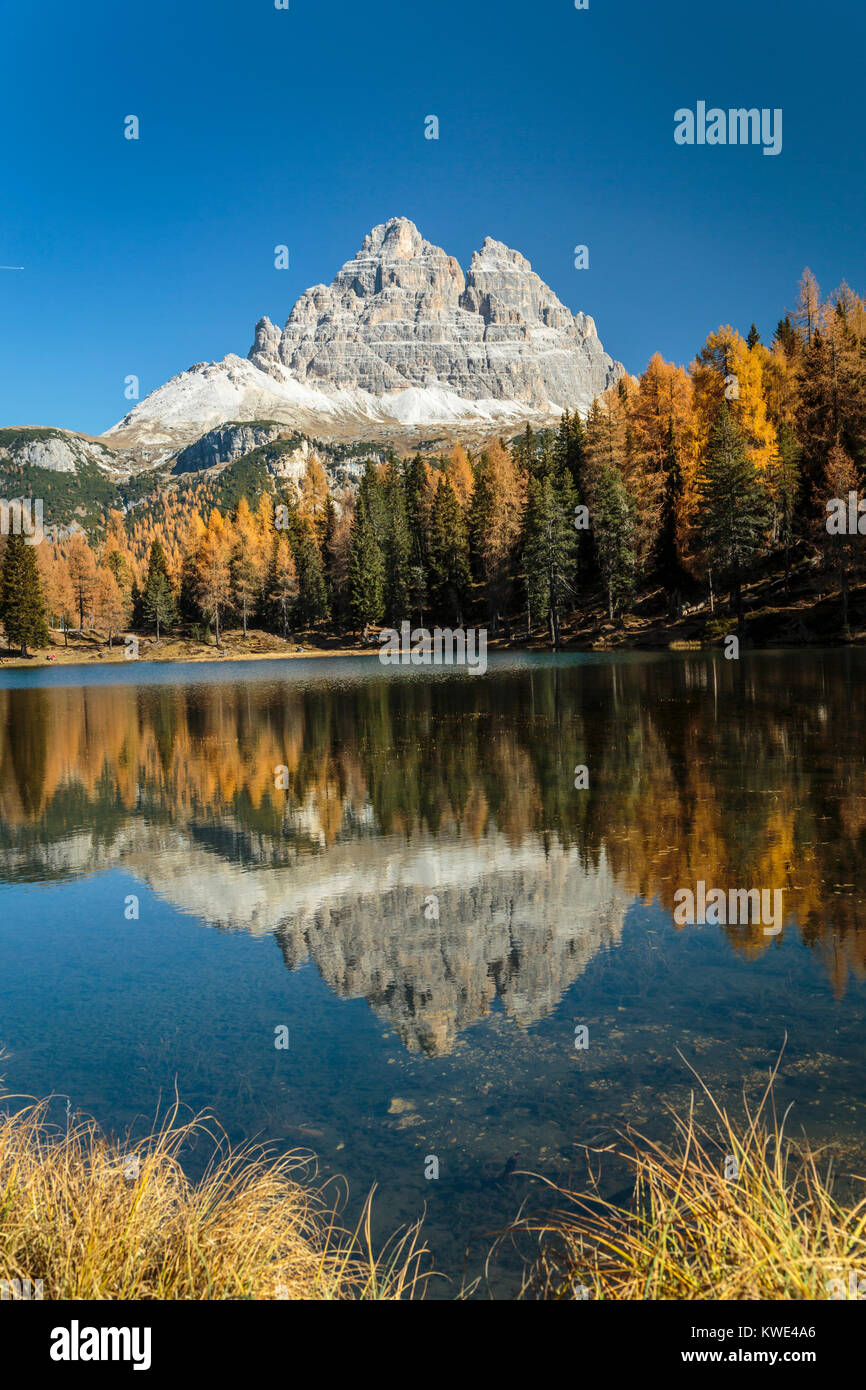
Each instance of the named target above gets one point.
<point>450,577</point>
<point>732,506</point>
<point>613,523</point>
<point>366,557</point>
<point>158,603</point>
<point>550,544</point>
<point>311,605</point>
<point>22,604</point>
<point>397,548</point>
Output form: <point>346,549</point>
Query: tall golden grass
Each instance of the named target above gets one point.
<point>774,1231</point>
<point>96,1219</point>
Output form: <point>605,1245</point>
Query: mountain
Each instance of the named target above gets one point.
<point>400,344</point>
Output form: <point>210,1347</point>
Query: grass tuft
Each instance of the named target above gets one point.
<point>95,1219</point>
<point>774,1231</point>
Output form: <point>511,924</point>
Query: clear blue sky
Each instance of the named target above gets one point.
<point>306,127</point>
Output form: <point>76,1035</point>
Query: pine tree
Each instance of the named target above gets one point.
<point>22,605</point>
<point>158,603</point>
<point>282,584</point>
<point>418,519</point>
<point>367,570</point>
<point>550,544</point>
<point>613,525</point>
<point>311,606</point>
<point>158,606</point>
<point>450,576</point>
<point>397,548</point>
<point>732,508</point>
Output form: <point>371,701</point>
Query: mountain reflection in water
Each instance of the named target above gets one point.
<point>447,903</point>
<point>431,851</point>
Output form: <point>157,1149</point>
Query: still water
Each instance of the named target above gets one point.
<point>432,907</point>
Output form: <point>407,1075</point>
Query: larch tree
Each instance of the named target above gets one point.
<point>110,606</point>
<point>498,510</point>
<point>213,572</point>
<point>244,564</point>
<point>81,563</point>
<point>841,547</point>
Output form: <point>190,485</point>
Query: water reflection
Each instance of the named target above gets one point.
<point>430,852</point>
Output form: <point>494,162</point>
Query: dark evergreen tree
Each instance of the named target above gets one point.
<point>550,544</point>
<point>366,557</point>
<point>311,605</point>
<point>397,548</point>
<point>732,506</point>
<point>786,336</point>
<point>158,605</point>
<point>450,577</point>
<point>22,604</point>
<point>418,519</point>
<point>613,523</point>
<point>157,602</point>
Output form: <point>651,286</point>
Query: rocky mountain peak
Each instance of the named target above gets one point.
<point>400,338</point>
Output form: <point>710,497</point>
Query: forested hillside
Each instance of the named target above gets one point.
<point>677,491</point>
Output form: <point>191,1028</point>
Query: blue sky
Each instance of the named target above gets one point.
<point>306,127</point>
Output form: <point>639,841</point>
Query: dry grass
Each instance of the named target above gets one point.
<point>97,1220</point>
<point>776,1231</point>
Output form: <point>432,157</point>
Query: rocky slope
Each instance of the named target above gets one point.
<point>58,451</point>
<point>401,344</point>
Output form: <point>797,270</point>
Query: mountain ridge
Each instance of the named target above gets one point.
<point>401,342</point>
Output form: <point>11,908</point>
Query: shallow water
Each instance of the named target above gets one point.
<point>431,907</point>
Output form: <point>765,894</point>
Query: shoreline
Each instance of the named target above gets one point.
<point>66,658</point>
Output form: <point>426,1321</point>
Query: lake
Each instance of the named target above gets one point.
<point>408,872</point>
